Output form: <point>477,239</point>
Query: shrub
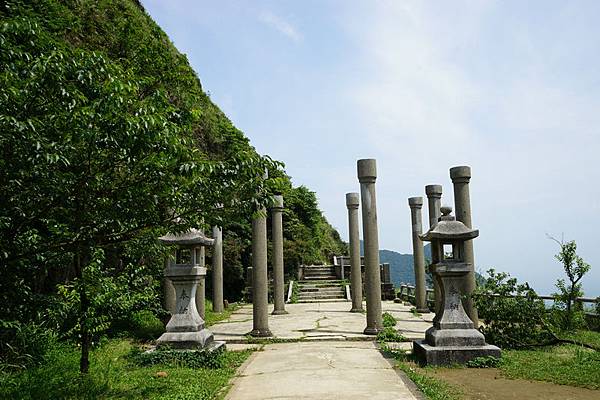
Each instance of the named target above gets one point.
<point>23,345</point>
<point>513,315</point>
<point>389,320</point>
<point>146,326</point>
<point>389,334</point>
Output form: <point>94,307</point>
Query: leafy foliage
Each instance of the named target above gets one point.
<point>24,345</point>
<point>513,315</point>
<point>389,334</point>
<point>145,325</point>
<point>388,320</point>
<point>108,141</point>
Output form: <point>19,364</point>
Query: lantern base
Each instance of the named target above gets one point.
<point>187,340</point>
<point>449,355</point>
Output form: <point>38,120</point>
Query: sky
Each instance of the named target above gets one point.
<point>510,88</point>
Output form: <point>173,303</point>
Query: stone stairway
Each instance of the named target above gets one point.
<point>320,284</point>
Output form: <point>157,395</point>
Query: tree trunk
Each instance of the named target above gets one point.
<point>84,303</point>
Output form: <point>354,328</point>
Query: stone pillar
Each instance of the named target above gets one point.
<point>201,292</point>
<point>217,269</point>
<point>352,202</point>
<point>169,289</point>
<point>277,232</point>
<point>434,202</point>
<point>260,299</point>
<point>415,204</point>
<point>462,204</point>
<point>367,174</point>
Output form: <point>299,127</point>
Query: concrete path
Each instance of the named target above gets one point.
<point>320,321</point>
<point>319,370</point>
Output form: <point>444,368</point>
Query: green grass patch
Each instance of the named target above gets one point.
<point>484,362</point>
<point>414,312</point>
<point>212,318</point>
<point>566,365</point>
<point>114,376</point>
<point>432,387</point>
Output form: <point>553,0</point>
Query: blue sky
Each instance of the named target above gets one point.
<point>510,88</point>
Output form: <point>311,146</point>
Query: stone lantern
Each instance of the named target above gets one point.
<point>186,329</point>
<point>453,338</point>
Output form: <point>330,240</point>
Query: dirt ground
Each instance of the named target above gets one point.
<point>488,384</point>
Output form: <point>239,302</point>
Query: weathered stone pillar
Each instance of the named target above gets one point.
<point>352,202</point>
<point>277,232</point>
<point>260,299</point>
<point>169,289</point>
<point>434,202</point>
<point>462,204</point>
<point>201,292</point>
<point>367,174</point>
<point>217,269</point>
<point>415,204</point>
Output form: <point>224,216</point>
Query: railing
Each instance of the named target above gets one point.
<point>407,293</point>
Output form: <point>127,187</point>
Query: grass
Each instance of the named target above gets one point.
<point>565,365</point>
<point>433,388</point>
<point>113,376</point>
<point>562,364</point>
<point>212,318</point>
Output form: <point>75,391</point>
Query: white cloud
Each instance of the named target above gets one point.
<point>281,25</point>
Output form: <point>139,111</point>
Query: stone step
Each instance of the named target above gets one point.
<point>317,287</point>
<point>325,290</point>
<point>319,273</point>
<point>321,297</point>
<point>320,277</point>
<point>321,300</point>
<point>315,294</point>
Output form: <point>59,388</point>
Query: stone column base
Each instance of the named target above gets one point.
<point>260,333</point>
<point>449,355</point>
<point>372,331</point>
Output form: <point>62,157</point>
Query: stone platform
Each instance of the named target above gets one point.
<point>320,321</point>
<point>449,355</point>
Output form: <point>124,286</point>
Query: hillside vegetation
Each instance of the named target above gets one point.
<point>109,141</point>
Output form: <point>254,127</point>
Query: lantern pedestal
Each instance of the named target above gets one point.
<point>452,339</point>
<point>186,329</point>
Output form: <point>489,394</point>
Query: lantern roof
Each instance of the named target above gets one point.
<point>191,237</point>
<point>449,229</point>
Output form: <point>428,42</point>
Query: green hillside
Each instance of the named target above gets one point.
<point>108,141</point>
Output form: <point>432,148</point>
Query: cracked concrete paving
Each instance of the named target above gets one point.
<point>320,321</point>
<point>320,370</point>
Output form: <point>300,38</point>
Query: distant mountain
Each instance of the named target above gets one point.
<point>401,265</point>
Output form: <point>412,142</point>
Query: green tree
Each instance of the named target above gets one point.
<point>565,299</point>
<point>93,158</point>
